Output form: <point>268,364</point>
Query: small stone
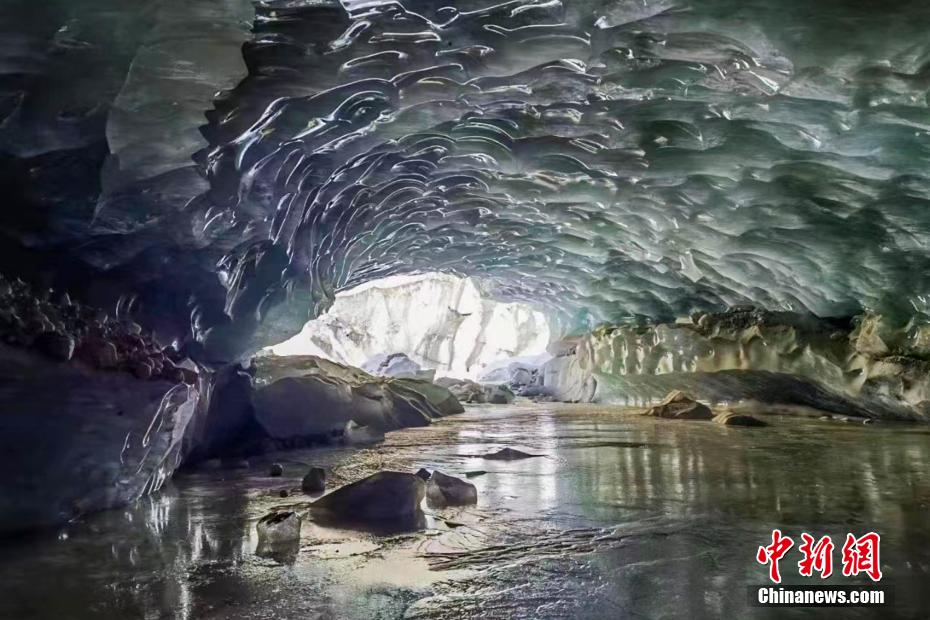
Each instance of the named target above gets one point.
<point>141,370</point>
<point>475,474</point>
<point>314,481</point>
<point>509,454</point>
<point>825,417</point>
<point>738,419</point>
<point>443,490</point>
<point>679,406</point>
<point>499,395</point>
<point>55,345</point>
<point>868,421</point>
<point>423,474</point>
<point>283,493</point>
<point>277,469</point>
<point>279,527</point>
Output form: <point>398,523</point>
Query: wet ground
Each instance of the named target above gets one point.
<point>622,517</point>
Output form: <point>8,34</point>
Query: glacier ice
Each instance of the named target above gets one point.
<point>440,321</point>
<point>612,161</point>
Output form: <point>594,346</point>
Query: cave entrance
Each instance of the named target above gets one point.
<point>439,321</point>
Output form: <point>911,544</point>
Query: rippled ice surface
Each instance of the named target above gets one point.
<point>624,517</point>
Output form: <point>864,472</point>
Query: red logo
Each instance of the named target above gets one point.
<point>773,553</point>
<point>817,557</point>
<point>860,555</point>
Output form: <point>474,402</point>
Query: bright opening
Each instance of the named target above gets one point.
<point>440,321</point>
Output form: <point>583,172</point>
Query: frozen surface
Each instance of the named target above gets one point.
<point>622,517</point>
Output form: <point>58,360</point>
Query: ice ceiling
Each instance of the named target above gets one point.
<point>609,160</point>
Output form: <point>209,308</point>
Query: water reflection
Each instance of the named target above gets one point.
<point>622,515</point>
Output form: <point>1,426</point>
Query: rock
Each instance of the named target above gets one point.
<point>738,419</point>
<point>384,496</point>
<point>509,454</point>
<point>443,490</point>
<point>396,365</point>
<point>187,376</point>
<point>314,481</point>
<point>825,417</point>
<point>99,353</point>
<point>499,395</point>
<point>874,336</point>
<point>436,396</point>
<point>475,474</point>
<point>534,391</point>
<point>277,469</point>
<point>423,474</point>
<point>464,390</point>
<point>522,376</point>
<point>106,438</point>
<point>140,370</point>
<point>220,427</point>
<point>309,399</point>
<point>55,345</point>
<point>281,527</point>
<point>356,435</point>
<point>283,493</point>
<point>679,406</point>
<point>517,373</point>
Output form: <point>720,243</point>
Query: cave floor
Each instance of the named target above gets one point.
<point>623,517</point>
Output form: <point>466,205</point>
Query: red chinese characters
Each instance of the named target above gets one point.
<point>817,556</point>
<point>860,555</point>
<point>773,553</point>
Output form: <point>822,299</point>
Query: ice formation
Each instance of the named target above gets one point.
<point>614,161</point>
<point>439,321</point>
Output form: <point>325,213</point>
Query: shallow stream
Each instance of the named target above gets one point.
<point>621,517</point>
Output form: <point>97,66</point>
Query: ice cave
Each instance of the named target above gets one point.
<point>464,309</point>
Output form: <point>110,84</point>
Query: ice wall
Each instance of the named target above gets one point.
<point>440,321</point>
<point>863,366</point>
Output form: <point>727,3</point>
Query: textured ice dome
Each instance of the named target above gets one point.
<point>608,160</point>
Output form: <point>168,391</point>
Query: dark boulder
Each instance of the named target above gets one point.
<point>55,345</point>
<point>738,419</point>
<point>279,528</point>
<point>679,406</point>
<point>99,353</point>
<point>314,481</point>
<point>443,490</point>
<point>499,395</point>
<point>384,496</point>
<point>509,454</point>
